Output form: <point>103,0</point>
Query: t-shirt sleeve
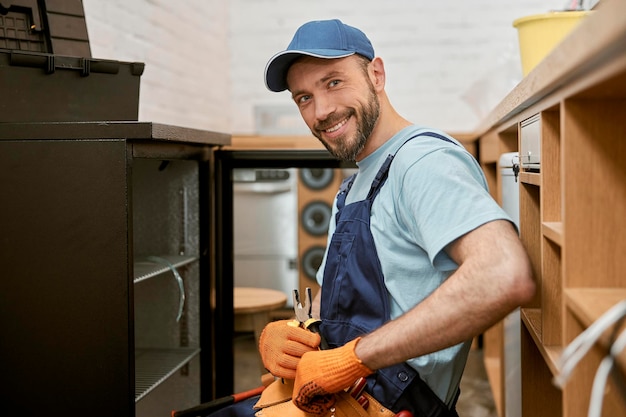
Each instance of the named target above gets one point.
<point>445,196</point>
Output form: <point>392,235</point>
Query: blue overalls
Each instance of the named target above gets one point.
<point>355,301</point>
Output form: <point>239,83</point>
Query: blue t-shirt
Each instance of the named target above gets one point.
<point>435,193</point>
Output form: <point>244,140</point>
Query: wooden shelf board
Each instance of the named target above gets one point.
<point>589,304</point>
<point>531,317</point>
<point>530,178</point>
<point>553,231</point>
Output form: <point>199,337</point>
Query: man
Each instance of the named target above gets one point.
<point>420,259</point>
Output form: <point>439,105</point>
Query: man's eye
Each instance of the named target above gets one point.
<point>303,99</point>
<point>333,83</point>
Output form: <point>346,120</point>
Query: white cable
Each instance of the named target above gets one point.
<point>579,347</point>
<point>602,375</point>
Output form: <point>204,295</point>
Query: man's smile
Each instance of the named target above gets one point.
<point>337,126</point>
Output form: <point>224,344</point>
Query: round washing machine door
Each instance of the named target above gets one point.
<point>311,261</point>
<point>315,217</point>
<point>317,178</point>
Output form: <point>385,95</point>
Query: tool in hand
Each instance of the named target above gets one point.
<point>304,316</point>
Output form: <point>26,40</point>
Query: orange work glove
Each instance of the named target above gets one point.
<point>322,373</point>
<point>282,344</point>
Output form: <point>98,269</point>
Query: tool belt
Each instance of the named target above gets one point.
<point>276,401</point>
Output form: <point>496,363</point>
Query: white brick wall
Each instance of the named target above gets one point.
<point>448,61</point>
<point>184,45</point>
<point>434,52</point>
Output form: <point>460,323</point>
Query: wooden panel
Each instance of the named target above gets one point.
<point>551,294</point>
<point>508,140</point>
<point>540,398</point>
<point>493,176</point>
<point>308,241</point>
<point>551,166</point>
<point>576,395</point>
<point>594,193</point>
<point>531,317</point>
<point>530,233</point>
<point>551,283</point>
<point>492,340</point>
<point>274,142</point>
<point>577,392</point>
<point>489,148</point>
<point>493,352</point>
<point>588,304</point>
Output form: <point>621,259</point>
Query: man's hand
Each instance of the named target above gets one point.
<point>281,345</point>
<point>322,373</point>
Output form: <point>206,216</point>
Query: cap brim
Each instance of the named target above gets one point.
<point>277,67</point>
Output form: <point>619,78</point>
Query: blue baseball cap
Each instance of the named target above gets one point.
<point>327,39</point>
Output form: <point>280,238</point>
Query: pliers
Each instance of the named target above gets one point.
<point>304,317</point>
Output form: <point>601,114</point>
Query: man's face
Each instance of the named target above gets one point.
<point>337,101</point>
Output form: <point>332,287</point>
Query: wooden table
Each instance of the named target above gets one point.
<point>252,307</point>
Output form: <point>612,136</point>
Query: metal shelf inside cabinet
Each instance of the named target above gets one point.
<point>146,268</point>
<point>531,318</point>
<point>153,366</point>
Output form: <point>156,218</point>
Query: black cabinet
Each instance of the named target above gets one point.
<point>105,249</point>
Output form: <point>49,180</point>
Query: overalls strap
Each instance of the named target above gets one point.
<point>355,299</point>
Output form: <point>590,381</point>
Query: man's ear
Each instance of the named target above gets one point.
<point>377,73</point>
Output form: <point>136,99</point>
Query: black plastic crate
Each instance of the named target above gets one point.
<point>39,87</point>
<point>16,32</point>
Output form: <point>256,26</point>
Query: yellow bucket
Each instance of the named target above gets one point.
<point>539,34</point>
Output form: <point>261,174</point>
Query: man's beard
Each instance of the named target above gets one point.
<point>367,117</point>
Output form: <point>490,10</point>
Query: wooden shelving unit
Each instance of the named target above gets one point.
<point>572,212</point>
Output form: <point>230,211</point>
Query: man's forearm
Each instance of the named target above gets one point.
<point>480,293</point>
<point>444,319</point>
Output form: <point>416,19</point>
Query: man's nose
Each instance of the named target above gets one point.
<point>323,107</point>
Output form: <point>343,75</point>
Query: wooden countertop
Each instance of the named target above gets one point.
<point>304,142</point>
